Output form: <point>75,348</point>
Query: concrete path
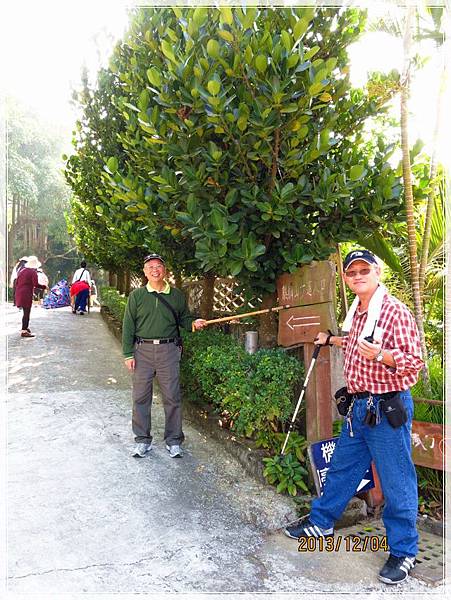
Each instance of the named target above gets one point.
<point>87,520</point>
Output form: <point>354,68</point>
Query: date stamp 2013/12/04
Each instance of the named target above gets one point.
<point>350,543</point>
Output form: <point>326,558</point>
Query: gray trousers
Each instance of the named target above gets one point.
<point>163,362</point>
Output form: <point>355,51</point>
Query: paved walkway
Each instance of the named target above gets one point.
<point>88,520</point>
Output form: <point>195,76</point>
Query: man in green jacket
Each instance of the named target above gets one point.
<point>151,347</point>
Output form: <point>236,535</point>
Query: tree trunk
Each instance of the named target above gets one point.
<point>127,282</point>
<point>343,297</point>
<point>208,296</point>
<point>408,192</point>
<point>112,279</point>
<point>267,330</point>
<point>433,191</point>
<point>121,281</point>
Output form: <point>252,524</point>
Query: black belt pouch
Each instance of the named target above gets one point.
<point>343,399</point>
<point>393,408</point>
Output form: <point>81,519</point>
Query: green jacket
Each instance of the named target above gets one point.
<point>147,317</point>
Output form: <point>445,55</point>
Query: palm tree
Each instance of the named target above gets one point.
<point>437,35</point>
<point>407,180</point>
<point>398,25</point>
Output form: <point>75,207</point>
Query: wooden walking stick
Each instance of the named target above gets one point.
<point>242,316</point>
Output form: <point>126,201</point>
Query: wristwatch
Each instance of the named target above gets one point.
<point>379,356</point>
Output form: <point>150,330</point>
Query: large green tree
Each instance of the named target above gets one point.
<point>238,144</point>
<point>243,134</point>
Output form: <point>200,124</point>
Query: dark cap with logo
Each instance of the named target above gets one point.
<point>364,255</point>
<point>153,256</point>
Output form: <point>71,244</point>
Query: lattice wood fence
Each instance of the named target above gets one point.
<point>225,299</point>
<point>136,280</point>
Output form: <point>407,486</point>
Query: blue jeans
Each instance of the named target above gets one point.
<point>390,449</point>
<point>81,299</point>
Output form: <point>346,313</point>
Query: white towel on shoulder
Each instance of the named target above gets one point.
<point>374,311</point>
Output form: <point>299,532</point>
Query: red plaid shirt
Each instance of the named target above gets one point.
<point>400,336</point>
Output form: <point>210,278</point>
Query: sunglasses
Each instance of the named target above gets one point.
<point>352,274</point>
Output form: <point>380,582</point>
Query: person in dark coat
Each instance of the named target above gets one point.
<point>27,280</point>
<point>17,269</point>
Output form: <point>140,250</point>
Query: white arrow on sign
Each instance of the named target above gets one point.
<point>293,318</point>
<point>362,484</point>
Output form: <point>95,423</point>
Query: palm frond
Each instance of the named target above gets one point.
<point>377,244</point>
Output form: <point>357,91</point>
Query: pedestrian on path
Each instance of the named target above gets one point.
<point>79,291</point>
<point>15,272</point>
<point>382,360</point>
<point>151,346</point>
<point>27,281</point>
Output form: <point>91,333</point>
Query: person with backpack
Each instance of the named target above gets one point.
<point>151,346</point>
<point>79,291</point>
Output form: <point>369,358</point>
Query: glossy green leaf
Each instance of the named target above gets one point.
<point>226,35</point>
<point>311,53</point>
<point>112,164</point>
<point>167,50</point>
<point>356,172</point>
<point>200,16</point>
<point>261,63</point>
<point>292,60</point>
<point>213,48</point>
<point>300,28</point>
<point>214,87</point>
<point>226,15</point>
<point>286,40</point>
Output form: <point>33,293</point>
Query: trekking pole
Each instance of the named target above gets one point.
<point>250,314</point>
<point>304,387</point>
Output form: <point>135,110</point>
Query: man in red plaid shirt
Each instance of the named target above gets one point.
<point>382,360</point>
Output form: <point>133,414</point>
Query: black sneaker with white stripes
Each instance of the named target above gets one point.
<point>307,529</point>
<point>396,569</point>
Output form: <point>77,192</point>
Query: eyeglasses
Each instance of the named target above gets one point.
<point>352,274</point>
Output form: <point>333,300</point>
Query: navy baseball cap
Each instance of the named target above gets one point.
<point>153,256</point>
<point>364,255</point>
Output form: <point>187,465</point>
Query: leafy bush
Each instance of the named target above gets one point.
<point>114,301</point>
<point>255,391</point>
<point>287,473</point>
<point>195,345</point>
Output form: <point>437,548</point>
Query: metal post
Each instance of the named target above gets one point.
<point>251,343</point>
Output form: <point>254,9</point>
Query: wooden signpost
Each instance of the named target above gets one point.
<point>311,290</point>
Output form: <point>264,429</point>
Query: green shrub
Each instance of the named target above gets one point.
<point>255,391</point>
<point>287,473</point>
<point>114,301</point>
<point>194,345</point>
